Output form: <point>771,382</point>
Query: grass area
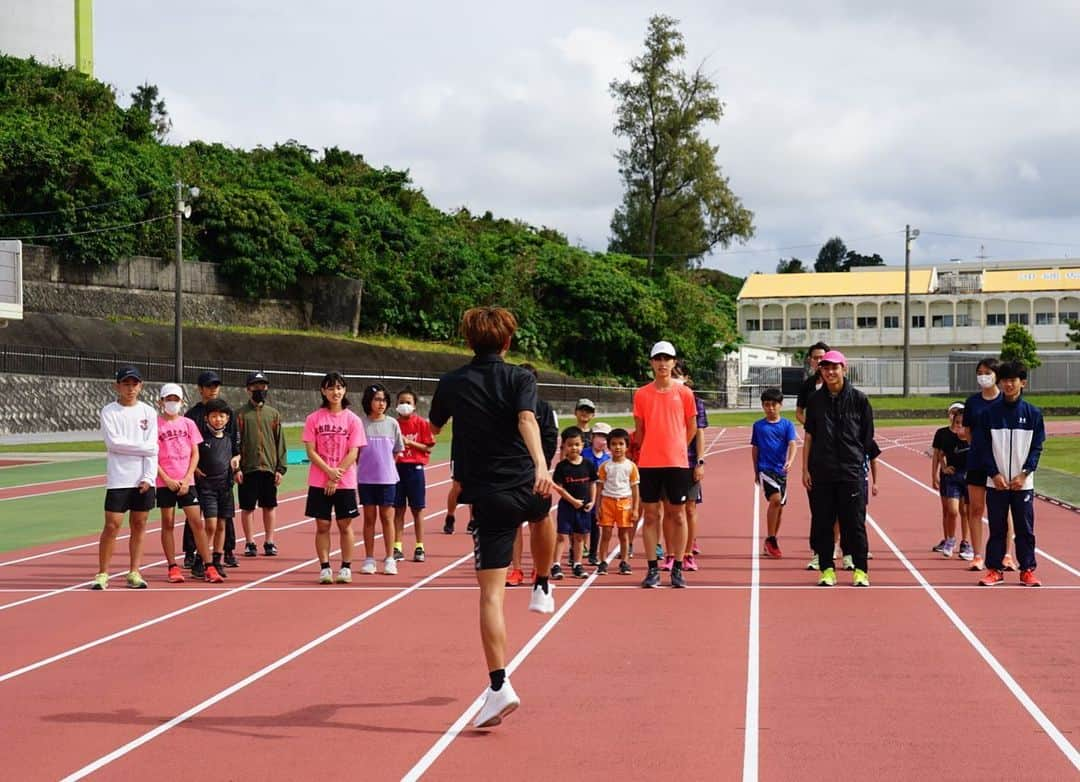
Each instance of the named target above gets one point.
<point>1062,453</point>
<point>51,471</point>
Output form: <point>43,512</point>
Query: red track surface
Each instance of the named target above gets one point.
<point>878,683</point>
<point>17,462</point>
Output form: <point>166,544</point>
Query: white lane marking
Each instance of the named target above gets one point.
<point>750,745</point>
<point>51,493</point>
<point>1051,730</point>
<point>266,670</point>
<point>355,587</point>
<point>1048,557</point>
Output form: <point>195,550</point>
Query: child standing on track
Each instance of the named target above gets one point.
<point>333,437</point>
<point>213,477</point>
<point>1010,435</point>
<point>262,462</point>
<point>129,428</point>
<point>948,475</point>
<point>575,481</point>
<point>377,475</point>
<point>596,452</point>
<point>620,502</point>
<point>412,483</point>
<point>773,442</point>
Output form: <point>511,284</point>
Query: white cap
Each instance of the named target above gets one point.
<point>171,389</point>
<point>601,428</point>
<point>662,348</point>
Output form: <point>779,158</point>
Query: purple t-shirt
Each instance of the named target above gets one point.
<point>384,441</point>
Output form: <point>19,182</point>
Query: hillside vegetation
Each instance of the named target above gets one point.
<point>72,154</point>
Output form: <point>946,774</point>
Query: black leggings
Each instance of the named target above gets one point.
<point>846,503</point>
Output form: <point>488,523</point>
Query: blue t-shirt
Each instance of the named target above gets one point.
<point>772,441</point>
<point>974,407</point>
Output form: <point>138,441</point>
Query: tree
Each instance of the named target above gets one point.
<point>1074,335</point>
<point>676,197</point>
<point>853,259</point>
<point>790,266</point>
<point>830,257</point>
<point>1019,345</point>
<point>146,101</point>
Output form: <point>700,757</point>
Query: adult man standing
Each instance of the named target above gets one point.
<point>839,434</point>
<point>665,421</point>
<point>499,461</point>
<point>813,380</point>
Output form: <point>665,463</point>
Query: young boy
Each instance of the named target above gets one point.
<point>213,478</point>
<point>596,451</point>
<point>262,462</point>
<point>773,452</point>
<point>129,428</point>
<point>620,502</point>
<point>948,475</point>
<point>575,482</point>
<point>1009,437</point>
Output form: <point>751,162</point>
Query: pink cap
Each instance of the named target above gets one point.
<point>833,357</point>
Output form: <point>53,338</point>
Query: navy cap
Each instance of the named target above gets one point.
<point>256,377</point>
<point>207,379</point>
<point>123,373</point>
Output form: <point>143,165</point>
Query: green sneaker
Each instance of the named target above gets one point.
<point>101,582</point>
<point>135,580</point>
<point>828,578</point>
<point>860,579</point>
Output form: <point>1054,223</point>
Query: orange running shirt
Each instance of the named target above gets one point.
<point>665,414</point>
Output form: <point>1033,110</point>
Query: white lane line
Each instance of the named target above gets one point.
<point>52,493</point>
<point>1051,730</point>
<point>46,483</point>
<point>1048,557</point>
<point>266,670</point>
<point>750,745</point>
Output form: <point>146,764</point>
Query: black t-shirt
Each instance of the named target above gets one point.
<point>484,398</point>
<point>842,430</point>
<point>577,479</point>
<point>549,429</point>
<point>954,449</point>
<point>809,386</point>
<point>197,413</point>
<point>214,456</point>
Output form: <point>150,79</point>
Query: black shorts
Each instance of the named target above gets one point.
<point>167,498</point>
<point>671,483</point>
<point>411,486</point>
<point>342,503</point>
<point>217,501</point>
<point>123,500</point>
<point>976,478</point>
<point>258,488</point>
<point>498,517</point>
<point>771,484</point>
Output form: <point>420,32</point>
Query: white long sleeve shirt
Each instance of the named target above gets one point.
<point>131,443</point>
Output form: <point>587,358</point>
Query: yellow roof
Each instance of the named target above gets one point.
<point>788,286</point>
<point>1032,280</point>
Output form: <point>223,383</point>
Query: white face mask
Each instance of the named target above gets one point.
<point>984,381</point>
<point>172,408</point>
<point>405,409</point>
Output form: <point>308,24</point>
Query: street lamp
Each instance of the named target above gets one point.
<point>182,210</point>
<point>910,235</point>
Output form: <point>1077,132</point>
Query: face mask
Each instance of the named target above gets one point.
<point>172,408</point>
<point>258,396</point>
<point>984,381</point>
<point>405,409</point>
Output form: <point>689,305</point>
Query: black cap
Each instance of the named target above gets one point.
<point>123,373</point>
<point>217,406</point>
<point>207,379</point>
<point>256,377</point>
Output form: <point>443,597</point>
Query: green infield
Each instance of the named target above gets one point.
<point>51,471</point>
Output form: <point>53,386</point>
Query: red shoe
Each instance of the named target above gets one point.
<point>175,576</point>
<point>772,550</point>
<point>992,577</point>
<point>212,575</point>
<point>514,577</point>
<point>1028,579</point>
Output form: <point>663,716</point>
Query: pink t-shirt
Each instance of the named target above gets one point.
<point>334,435</point>
<point>175,441</point>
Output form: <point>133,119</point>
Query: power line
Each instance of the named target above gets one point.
<point>91,230</point>
<point>82,208</point>
<point>994,239</point>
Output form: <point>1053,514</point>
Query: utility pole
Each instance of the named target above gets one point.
<point>178,304</point>
<point>909,235</point>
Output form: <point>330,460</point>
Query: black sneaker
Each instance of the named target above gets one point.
<point>601,569</point>
<point>579,571</point>
<point>448,527</point>
<point>398,555</point>
<point>250,550</point>
<point>624,568</point>
<point>556,572</point>
<point>652,578</point>
<point>593,560</point>
<point>198,569</point>
<point>219,568</point>
<point>677,581</point>
<point>189,560</point>
<point>418,554</point>
<point>230,559</point>
<point>269,549</point>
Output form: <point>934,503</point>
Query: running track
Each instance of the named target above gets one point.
<point>752,673</point>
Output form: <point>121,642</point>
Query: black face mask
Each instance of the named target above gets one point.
<point>258,396</point>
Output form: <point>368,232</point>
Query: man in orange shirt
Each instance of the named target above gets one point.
<point>665,421</point>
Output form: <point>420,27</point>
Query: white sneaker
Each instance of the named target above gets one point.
<point>389,567</point>
<point>368,568</point>
<point>949,548</point>
<point>542,602</point>
<point>497,704</point>
<point>813,563</point>
<point>849,562</point>
<point>326,576</point>
<point>344,576</point>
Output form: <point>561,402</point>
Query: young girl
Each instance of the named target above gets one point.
<point>377,475</point>
<point>178,456</point>
<point>947,474</point>
<point>333,436</point>
<point>411,487</point>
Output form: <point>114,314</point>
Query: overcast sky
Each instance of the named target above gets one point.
<point>956,117</point>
